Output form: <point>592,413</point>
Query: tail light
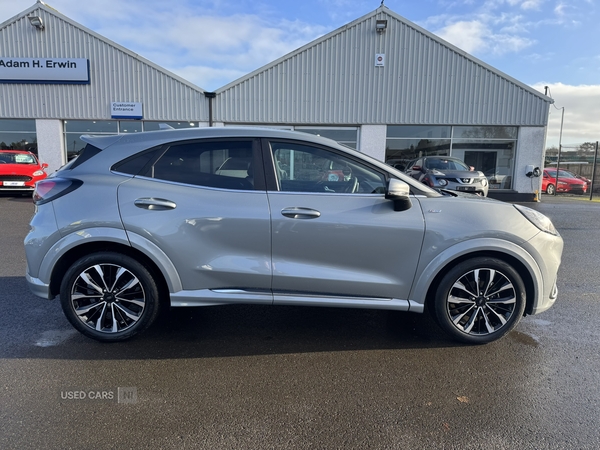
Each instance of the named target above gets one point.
<point>53,188</point>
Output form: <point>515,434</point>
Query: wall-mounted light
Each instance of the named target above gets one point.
<point>36,21</point>
<point>380,26</point>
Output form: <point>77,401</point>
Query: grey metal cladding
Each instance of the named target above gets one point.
<point>116,75</point>
<point>425,80</point>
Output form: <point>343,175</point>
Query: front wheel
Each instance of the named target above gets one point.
<point>479,300</point>
<point>109,296</point>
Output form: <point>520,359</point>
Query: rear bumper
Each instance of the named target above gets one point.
<point>38,287</point>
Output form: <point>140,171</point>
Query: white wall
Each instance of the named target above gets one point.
<point>50,143</point>
<point>372,140</point>
<point>530,150</point>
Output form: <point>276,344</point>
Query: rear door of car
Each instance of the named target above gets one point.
<point>214,227</point>
<point>334,233</point>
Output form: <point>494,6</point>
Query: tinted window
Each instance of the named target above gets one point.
<point>134,164</point>
<point>303,168</point>
<point>221,164</point>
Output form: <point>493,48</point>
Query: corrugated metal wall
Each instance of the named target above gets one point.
<point>334,80</point>
<point>116,75</point>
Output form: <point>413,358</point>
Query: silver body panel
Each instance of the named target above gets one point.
<point>218,246</point>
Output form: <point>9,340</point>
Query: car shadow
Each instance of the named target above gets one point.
<point>210,332</point>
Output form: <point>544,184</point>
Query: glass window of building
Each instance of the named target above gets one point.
<point>18,134</point>
<point>160,125</point>
<point>347,136</point>
<point>74,129</point>
<point>489,149</point>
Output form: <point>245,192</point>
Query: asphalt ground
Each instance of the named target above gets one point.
<point>254,377</point>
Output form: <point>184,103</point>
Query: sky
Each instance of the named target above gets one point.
<point>551,45</point>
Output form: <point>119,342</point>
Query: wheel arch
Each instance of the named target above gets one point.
<point>84,249</point>
<point>425,286</point>
<point>509,259</point>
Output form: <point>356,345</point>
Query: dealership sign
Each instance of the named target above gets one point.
<point>126,110</point>
<point>44,70</point>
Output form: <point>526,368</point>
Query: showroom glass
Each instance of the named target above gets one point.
<point>345,136</point>
<point>219,164</point>
<point>304,168</point>
<point>489,149</point>
<point>74,129</point>
<point>18,134</point>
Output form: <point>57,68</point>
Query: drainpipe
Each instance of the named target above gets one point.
<point>210,96</point>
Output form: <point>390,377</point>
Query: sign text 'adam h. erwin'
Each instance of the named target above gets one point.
<point>44,70</point>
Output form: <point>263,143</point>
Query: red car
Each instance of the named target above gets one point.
<point>19,171</point>
<point>567,182</point>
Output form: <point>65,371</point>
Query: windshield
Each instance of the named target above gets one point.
<point>445,164</point>
<point>561,173</point>
<point>16,158</point>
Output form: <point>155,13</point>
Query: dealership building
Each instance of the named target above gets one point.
<point>380,84</point>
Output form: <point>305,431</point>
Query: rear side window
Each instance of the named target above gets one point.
<point>220,164</point>
<point>136,163</point>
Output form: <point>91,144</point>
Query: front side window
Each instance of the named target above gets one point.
<point>219,164</point>
<point>305,168</point>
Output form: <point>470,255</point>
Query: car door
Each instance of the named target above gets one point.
<point>214,225</point>
<point>334,233</point>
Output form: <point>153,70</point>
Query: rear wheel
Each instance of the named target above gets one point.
<point>109,296</point>
<point>479,300</point>
<point>550,189</point>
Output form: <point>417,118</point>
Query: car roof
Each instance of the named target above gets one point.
<point>16,151</point>
<point>137,141</point>
<point>444,157</point>
<point>162,136</point>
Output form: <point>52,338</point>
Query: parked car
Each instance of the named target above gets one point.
<point>137,222</point>
<point>567,182</point>
<point>445,172</point>
<point>20,170</point>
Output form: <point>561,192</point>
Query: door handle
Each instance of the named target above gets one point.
<point>155,204</point>
<point>300,213</point>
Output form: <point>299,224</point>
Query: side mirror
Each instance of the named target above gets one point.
<point>399,192</point>
<point>44,165</point>
<point>416,168</point>
<point>471,168</point>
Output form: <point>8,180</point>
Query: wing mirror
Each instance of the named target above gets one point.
<point>399,192</point>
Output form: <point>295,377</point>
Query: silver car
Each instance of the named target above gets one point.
<point>217,216</point>
<point>445,172</point>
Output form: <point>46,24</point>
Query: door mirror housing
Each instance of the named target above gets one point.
<point>399,192</point>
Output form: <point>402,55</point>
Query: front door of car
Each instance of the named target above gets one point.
<point>203,205</point>
<point>334,233</point>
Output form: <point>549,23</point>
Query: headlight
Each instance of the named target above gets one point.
<point>442,182</point>
<point>538,219</point>
<point>38,173</point>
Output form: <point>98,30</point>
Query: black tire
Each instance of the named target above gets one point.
<point>479,300</point>
<point>109,296</point>
<point>550,189</point>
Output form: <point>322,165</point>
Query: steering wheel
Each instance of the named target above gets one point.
<point>352,186</point>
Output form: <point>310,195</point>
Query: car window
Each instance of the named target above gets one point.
<point>304,168</point>
<point>17,158</point>
<point>220,164</point>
